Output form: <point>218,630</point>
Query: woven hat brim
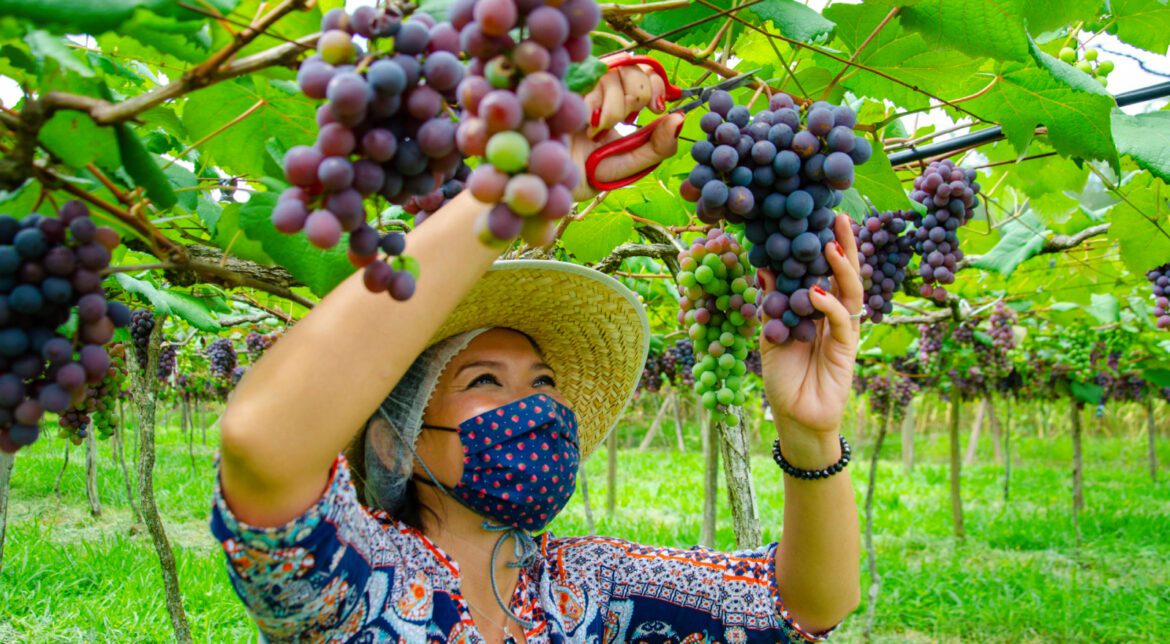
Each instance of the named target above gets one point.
<point>593,332</point>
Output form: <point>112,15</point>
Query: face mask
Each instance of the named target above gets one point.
<point>519,462</point>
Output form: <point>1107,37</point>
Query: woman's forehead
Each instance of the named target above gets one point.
<point>499,344</point>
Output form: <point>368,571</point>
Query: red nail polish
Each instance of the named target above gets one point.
<point>660,103</point>
<point>595,120</point>
<point>819,290</point>
<point>839,248</point>
<point>678,130</point>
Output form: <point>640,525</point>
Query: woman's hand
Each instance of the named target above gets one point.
<point>620,92</point>
<point>808,383</point>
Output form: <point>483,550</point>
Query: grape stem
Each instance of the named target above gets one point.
<point>857,52</point>
<point>241,39</point>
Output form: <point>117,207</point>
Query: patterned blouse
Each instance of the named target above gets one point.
<point>341,573</point>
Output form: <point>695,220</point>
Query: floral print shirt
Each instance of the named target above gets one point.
<point>343,573</point>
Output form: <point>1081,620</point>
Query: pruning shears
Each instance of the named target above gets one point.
<point>640,136</point>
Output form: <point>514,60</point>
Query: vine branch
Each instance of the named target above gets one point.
<point>660,251</point>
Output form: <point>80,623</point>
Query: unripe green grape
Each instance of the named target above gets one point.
<point>1091,54</point>
<point>739,284</point>
<point>727,361</point>
<point>697,332</point>
<point>704,274</point>
<point>725,396</point>
<point>1068,54</point>
<point>708,378</point>
<point>686,278</point>
<point>709,400</point>
<point>708,363</point>
<point>1104,67</point>
<point>726,339</point>
<point>736,318</point>
<point>508,151</point>
<point>336,47</point>
<point>1084,66</point>
<point>688,264</point>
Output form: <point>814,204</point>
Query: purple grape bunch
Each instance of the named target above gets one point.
<point>1160,279</point>
<point>237,374</point>
<point>883,252</point>
<point>168,355</point>
<point>1003,340</point>
<point>781,178</point>
<point>518,113</point>
<point>949,194</point>
<point>890,395</point>
<point>386,129</point>
<point>257,343</point>
<point>930,344</point>
<point>50,266</point>
<point>222,356</point>
<point>678,360</point>
<point>141,326</point>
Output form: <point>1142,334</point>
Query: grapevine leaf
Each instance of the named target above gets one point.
<point>1143,23</point>
<point>181,177</point>
<point>1159,377</point>
<point>592,238</point>
<point>195,311</point>
<point>318,269</point>
<point>993,28</point>
<point>437,9</point>
<point>583,76</point>
<point>690,25</point>
<point>794,19</point>
<point>876,180</point>
<point>77,140</point>
<point>46,46</point>
<point>98,16</point>
<point>1044,15</point>
<point>234,241</point>
<point>1087,392</point>
<point>889,340</point>
<point>1022,239</point>
<point>1146,139</point>
<point>1140,224</point>
<point>853,204</point>
<point>1105,307</point>
<point>1027,96</point>
<point>18,203</point>
<point>662,207</point>
<point>141,167</point>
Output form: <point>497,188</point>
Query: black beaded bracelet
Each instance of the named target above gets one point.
<point>808,475</point>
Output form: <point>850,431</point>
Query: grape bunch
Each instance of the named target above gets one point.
<point>1089,64</point>
<point>257,343</point>
<point>968,384</point>
<point>386,129</point>
<point>718,309</point>
<point>652,373</point>
<point>883,252</point>
<point>518,114</point>
<point>141,326</point>
<point>930,344</point>
<point>168,355</point>
<point>237,374</point>
<point>1002,339</point>
<point>890,395</point>
<point>781,178</point>
<point>949,194</point>
<point>678,360</point>
<point>74,423</point>
<point>1160,278</point>
<point>106,393</point>
<point>50,266</point>
<point>964,332</point>
<point>222,356</point>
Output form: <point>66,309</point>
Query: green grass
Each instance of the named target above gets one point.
<point>1018,577</point>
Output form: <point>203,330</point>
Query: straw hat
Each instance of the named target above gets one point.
<point>591,329</point>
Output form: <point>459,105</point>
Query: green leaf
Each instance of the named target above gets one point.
<point>1022,239</point>
<point>890,340</point>
<point>234,241</point>
<point>1143,23</point>
<point>1146,139</point>
<point>46,46</point>
<point>583,76</point>
<point>1105,307</point>
<point>693,24</point>
<point>1044,15</point>
<point>794,19</point>
<point>875,179</point>
<point>1159,377</point>
<point>592,238</point>
<point>283,114</point>
<point>181,177</point>
<point>1026,96</point>
<point>77,140</point>
<point>20,202</point>
<point>662,207</point>
<point>141,167</point>
<point>97,16</point>
<point>193,310</point>
<point>318,269</point>
<point>1087,392</point>
<point>993,28</point>
<point>1141,224</point>
<point>1065,72</point>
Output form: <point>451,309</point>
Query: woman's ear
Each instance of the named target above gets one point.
<point>383,441</point>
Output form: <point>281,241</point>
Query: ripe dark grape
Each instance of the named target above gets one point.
<point>222,357</point>
<point>719,311</point>
<point>883,254</point>
<point>141,326</point>
<point>949,194</point>
<point>51,267</point>
<point>257,343</point>
<point>1160,281</point>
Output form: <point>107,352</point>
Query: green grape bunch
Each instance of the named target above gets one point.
<point>1089,63</point>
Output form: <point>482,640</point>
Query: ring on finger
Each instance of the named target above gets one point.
<point>857,316</point>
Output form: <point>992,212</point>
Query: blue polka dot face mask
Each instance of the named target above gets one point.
<point>519,461</point>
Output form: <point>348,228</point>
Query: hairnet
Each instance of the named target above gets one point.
<point>389,454</point>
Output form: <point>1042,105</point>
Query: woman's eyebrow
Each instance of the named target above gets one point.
<point>488,364</point>
<point>541,366</point>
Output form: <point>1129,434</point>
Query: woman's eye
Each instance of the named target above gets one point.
<point>485,379</point>
<point>546,381</point>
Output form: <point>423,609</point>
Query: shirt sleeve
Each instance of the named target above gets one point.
<point>307,577</point>
<point>695,594</point>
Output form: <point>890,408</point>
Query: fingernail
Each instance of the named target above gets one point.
<point>595,120</point>
<point>678,130</point>
<point>819,290</point>
<point>837,247</point>
<point>660,103</point>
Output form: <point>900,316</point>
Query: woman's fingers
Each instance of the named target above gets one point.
<point>613,103</point>
<point>840,325</point>
<point>663,144</point>
<point>842,257</point>
<point>622,92</point>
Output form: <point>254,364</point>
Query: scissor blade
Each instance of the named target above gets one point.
<point>726,85</point>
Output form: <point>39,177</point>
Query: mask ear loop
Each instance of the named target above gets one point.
<point>525,549</point>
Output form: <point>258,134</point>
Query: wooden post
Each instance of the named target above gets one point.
<point>144,391</point>
<point>653,431</point>
<point>61,472</point>
<point>956,465</point>
<point>973,442</point>
<point>589,525</point>
<point>1077,494</point>
<point>1007,449</point>
<point>914,416</point>
<point>678,426</point>
<point>870,555</point>
<point>91,491</point>
<point>611,444</point>
<point>6,462</point>
<point>710,480</point>
<point>1151,432</point>
<point>120,454</point>
<point>737,469</point>
<point>995,430</point>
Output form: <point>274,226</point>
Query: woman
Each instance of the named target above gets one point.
<point>417,535</point>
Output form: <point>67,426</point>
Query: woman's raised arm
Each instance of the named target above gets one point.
<point>305,399</point>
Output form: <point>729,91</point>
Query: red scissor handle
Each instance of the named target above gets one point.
<point>673,92</point>
<point>623,145</point>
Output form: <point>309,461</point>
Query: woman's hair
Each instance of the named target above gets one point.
<point>412,507</point>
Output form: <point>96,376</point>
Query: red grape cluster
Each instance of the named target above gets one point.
<point>678,360</point>
<point>781,178</point>
<point>1160,278</point>
<point>517,112</point>
<point>49,268</point>
<point>1002,339</point>
<point>969,384</point>
<point>890,395</point>
<point>222,355</point>
<point>386,129</point>
<point>949,194</point>
<point>237,374</point>
<point>930,344</point>
<point>141,326</point>
<point>257,343</point>
<point>168,355</point>
<point>883,252</point>
<point>717,302</point>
